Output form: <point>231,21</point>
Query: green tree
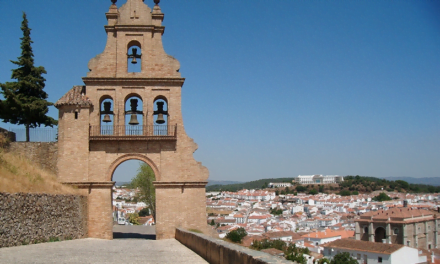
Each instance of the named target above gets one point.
<point>25,101</point>
<point>343,258</point>
<point>345,193</point>
<point>354,192</point>
<point>382,197</point>
<point>313,191</point>
<point>323,260</point>
<point>134,219</point>
<point>403,184</point>
<point>144,181</point>
<point>144,212</point>
<point>300,188</point>
<point>212,222</point>
<point>276,211</point>
<point>237,235</point>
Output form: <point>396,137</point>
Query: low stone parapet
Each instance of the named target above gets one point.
<point>28,218</point>
<point>217,251</point>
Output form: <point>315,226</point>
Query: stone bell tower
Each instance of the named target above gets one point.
<point>130,108</point>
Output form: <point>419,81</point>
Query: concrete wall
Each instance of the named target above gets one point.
<point>42,153</point>
<point>217,251</point>
<point>31,218</point>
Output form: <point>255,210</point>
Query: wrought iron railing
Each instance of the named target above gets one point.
<point>133,132</point>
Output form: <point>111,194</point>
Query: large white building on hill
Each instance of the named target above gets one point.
<point>319,179</point>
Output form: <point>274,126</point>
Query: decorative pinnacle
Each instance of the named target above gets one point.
<point>157,2</point>
<point>114,1</point>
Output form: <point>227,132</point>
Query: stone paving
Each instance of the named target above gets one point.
<point>90,250</point>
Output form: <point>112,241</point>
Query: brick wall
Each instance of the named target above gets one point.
<point>32,218</point>
<point>42,153</point>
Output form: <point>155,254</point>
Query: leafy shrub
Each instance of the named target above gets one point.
<point>237,235</point>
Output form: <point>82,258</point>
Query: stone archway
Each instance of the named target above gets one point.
<point>379,234</point>
<point>126,157</point>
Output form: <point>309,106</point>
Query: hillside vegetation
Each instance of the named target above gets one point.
<point>258,184</point>
<point>351,185</point>
<point>18,174</point>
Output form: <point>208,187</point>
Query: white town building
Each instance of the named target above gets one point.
<point>373,252</point>
<point>319,179</point>
<point>279,184</point>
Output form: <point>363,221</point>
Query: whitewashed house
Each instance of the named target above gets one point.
<point>373,252</point>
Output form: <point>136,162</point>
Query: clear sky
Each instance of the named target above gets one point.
<point>273,88</point>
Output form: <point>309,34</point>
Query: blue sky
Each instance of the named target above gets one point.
<point>274,88</point>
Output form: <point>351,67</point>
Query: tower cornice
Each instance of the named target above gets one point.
<point>136,28</point>
<point>93,81</point>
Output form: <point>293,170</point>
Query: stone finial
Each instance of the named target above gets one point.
<point>114,1</point>
<point>157,2</point>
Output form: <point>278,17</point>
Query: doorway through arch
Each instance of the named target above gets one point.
<point>133,200</point>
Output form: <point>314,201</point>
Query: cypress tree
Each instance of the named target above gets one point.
<point>25,101</point>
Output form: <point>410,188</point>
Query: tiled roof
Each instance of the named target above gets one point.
<point>278,234</point>
<point>365,246</point>
<point>330,233</point>
<point>75,96</point>
<point>397,214</point>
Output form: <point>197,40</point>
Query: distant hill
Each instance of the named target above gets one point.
<point>214,182</point>
<point>427,180</point>
<point>258,184</point>
<point>119,183</point>
<point>350,185</point>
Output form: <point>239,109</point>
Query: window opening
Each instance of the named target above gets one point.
<point>379,259</point>
<point>76,115</point>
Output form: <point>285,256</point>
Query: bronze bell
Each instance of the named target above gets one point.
<point>106,119</point>
<point>160,119</point>
<point>107,111</point>
<point>133,120</point>
<point>134,56</point>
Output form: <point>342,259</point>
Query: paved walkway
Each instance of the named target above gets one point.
<point>92,250</point>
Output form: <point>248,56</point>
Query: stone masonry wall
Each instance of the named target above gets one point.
<point>42,153</point>
<point>217,251</point>
<point>33,218</point>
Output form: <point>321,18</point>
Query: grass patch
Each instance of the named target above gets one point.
<point>54,239</point>
<point>18,174</point>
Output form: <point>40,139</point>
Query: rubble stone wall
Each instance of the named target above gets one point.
<point>42,153</point>
<point>27,218</point>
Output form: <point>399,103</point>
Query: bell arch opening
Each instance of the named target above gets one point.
<point>134,116</point>
<point>106,115</point>
<point>160,116</point>
<point>133,200</point>
<point>134,56</point>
